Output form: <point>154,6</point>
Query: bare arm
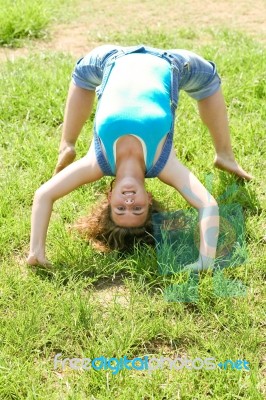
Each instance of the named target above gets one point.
<point>178,176</point>
<point>79,173</point>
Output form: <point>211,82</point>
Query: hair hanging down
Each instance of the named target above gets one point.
<point>104,235</point>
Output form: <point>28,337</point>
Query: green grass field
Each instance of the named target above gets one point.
<point>20,19</point>
<point>70,309</point>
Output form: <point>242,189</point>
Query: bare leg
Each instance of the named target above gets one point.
<point>78,109</point>
<point>213,113</point>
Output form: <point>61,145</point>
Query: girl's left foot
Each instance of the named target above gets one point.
<point>230,165</point>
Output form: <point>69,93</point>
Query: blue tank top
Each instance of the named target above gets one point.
<point>136,101</point>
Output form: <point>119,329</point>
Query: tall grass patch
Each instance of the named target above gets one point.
<point>29,19</point>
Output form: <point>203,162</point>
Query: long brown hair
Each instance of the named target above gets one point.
<point>100,230</point>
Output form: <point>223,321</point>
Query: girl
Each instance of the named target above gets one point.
<point>137,89</point>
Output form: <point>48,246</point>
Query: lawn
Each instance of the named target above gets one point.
<point>91,304</point>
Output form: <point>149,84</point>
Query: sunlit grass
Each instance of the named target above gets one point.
<point>29,19</point>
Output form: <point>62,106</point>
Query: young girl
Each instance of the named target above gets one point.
<point>137,89</point>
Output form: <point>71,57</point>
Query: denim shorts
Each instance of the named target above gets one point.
<point>190,73</point>
<point>197,76</point>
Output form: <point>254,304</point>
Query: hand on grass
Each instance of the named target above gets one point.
<point>194,267</point>
<point>202,264</point>
<point>34,260</point>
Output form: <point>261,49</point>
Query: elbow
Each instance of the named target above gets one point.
<point>42,195</point>
<point>211,203</point>
<point>210,209</point>
<point>214,204</point>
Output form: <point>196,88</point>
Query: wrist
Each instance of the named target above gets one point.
<point>37,259</point>
<point>206,262</point>
<point>66,145</point>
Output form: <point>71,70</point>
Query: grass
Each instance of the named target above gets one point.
<point>29,19</point>
<point>91,304</point>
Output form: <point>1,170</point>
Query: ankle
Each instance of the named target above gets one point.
<point>225,155</point>
<point>66,145</point>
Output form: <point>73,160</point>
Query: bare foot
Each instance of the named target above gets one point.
<point>230,165</point>
<point>66,157</point>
